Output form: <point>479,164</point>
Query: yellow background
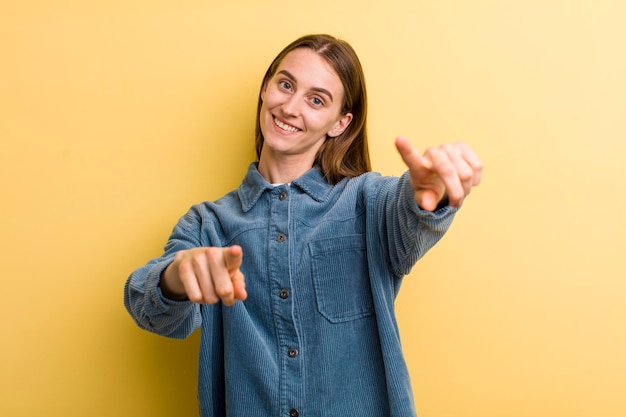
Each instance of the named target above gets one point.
<point>116,116</point>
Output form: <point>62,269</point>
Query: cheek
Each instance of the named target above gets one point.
<point>264,118</point>
<point>266,106</point>
<point>270,97</point>
<point>264,91</point>
<point>326,123</point>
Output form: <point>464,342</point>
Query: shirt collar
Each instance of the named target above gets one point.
<point>311,182</point>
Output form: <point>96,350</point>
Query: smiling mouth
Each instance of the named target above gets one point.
<point>284,126</point>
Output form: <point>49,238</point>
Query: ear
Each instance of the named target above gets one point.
<point>341,125</point>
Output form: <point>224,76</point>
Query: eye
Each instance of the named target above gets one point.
<point>317,102</point>
<point>285,85</point>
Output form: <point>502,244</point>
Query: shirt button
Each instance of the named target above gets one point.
<point>155,302</point>
<point>282,195</point>
<point>284,293</point>
<point>281,237</point>
<point>294,413</point>
<point>292,353</point>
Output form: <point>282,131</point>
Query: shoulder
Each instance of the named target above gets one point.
<point>209,208</point>
<point>373,182</point>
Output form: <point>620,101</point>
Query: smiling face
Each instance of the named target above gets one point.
<point>301,108</point>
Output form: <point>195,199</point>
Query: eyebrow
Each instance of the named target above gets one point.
<point>317,89</point>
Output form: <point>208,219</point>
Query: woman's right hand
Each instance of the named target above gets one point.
<point>206,275</point>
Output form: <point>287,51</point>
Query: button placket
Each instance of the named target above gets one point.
<point>280,277</point>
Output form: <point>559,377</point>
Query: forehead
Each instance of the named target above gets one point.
<point>311,70</point>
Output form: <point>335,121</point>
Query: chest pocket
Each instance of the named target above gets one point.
<point>341,279</point>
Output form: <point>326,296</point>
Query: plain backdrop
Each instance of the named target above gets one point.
<point>116,116</point>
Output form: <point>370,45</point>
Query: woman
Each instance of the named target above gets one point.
<point>323,245</point>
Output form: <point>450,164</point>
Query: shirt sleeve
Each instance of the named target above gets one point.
<point>406,230</point>
<point>143,298</point>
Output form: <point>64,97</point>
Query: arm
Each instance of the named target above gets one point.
<point>151,310</point>
<point>406,230</point>
<point>420,207</point>
<point>162,296</point>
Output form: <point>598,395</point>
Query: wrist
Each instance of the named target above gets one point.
<point>168,286</point>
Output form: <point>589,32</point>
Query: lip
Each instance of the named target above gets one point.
<point>281,121</point>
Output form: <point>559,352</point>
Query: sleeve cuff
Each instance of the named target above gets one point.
<point>157,303</point>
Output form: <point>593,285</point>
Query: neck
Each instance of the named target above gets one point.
<point>284,169</point>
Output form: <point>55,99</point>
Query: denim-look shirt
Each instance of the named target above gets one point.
<point>317,335</point>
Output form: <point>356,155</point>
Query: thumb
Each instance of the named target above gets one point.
<point>427,199</point>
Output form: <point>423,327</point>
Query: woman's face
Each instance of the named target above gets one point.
<point>301,106</point>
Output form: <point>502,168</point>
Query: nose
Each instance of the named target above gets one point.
<point>291,106</point>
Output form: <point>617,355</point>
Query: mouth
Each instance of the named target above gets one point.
<point>285,126</point>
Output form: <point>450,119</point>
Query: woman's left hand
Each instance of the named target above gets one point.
<point>447,170</point>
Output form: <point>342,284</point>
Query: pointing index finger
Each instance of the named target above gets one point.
<point>233,255</point>
<point>409,154</point>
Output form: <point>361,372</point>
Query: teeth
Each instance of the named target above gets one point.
<point>285,126</point>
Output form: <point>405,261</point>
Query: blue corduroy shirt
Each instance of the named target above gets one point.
<point>317,335</point>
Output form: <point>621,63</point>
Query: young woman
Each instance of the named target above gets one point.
<point>292,277</point>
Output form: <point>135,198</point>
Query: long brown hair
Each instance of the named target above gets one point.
<point>346,155</point>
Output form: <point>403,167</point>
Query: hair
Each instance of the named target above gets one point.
<point>347,154</point>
